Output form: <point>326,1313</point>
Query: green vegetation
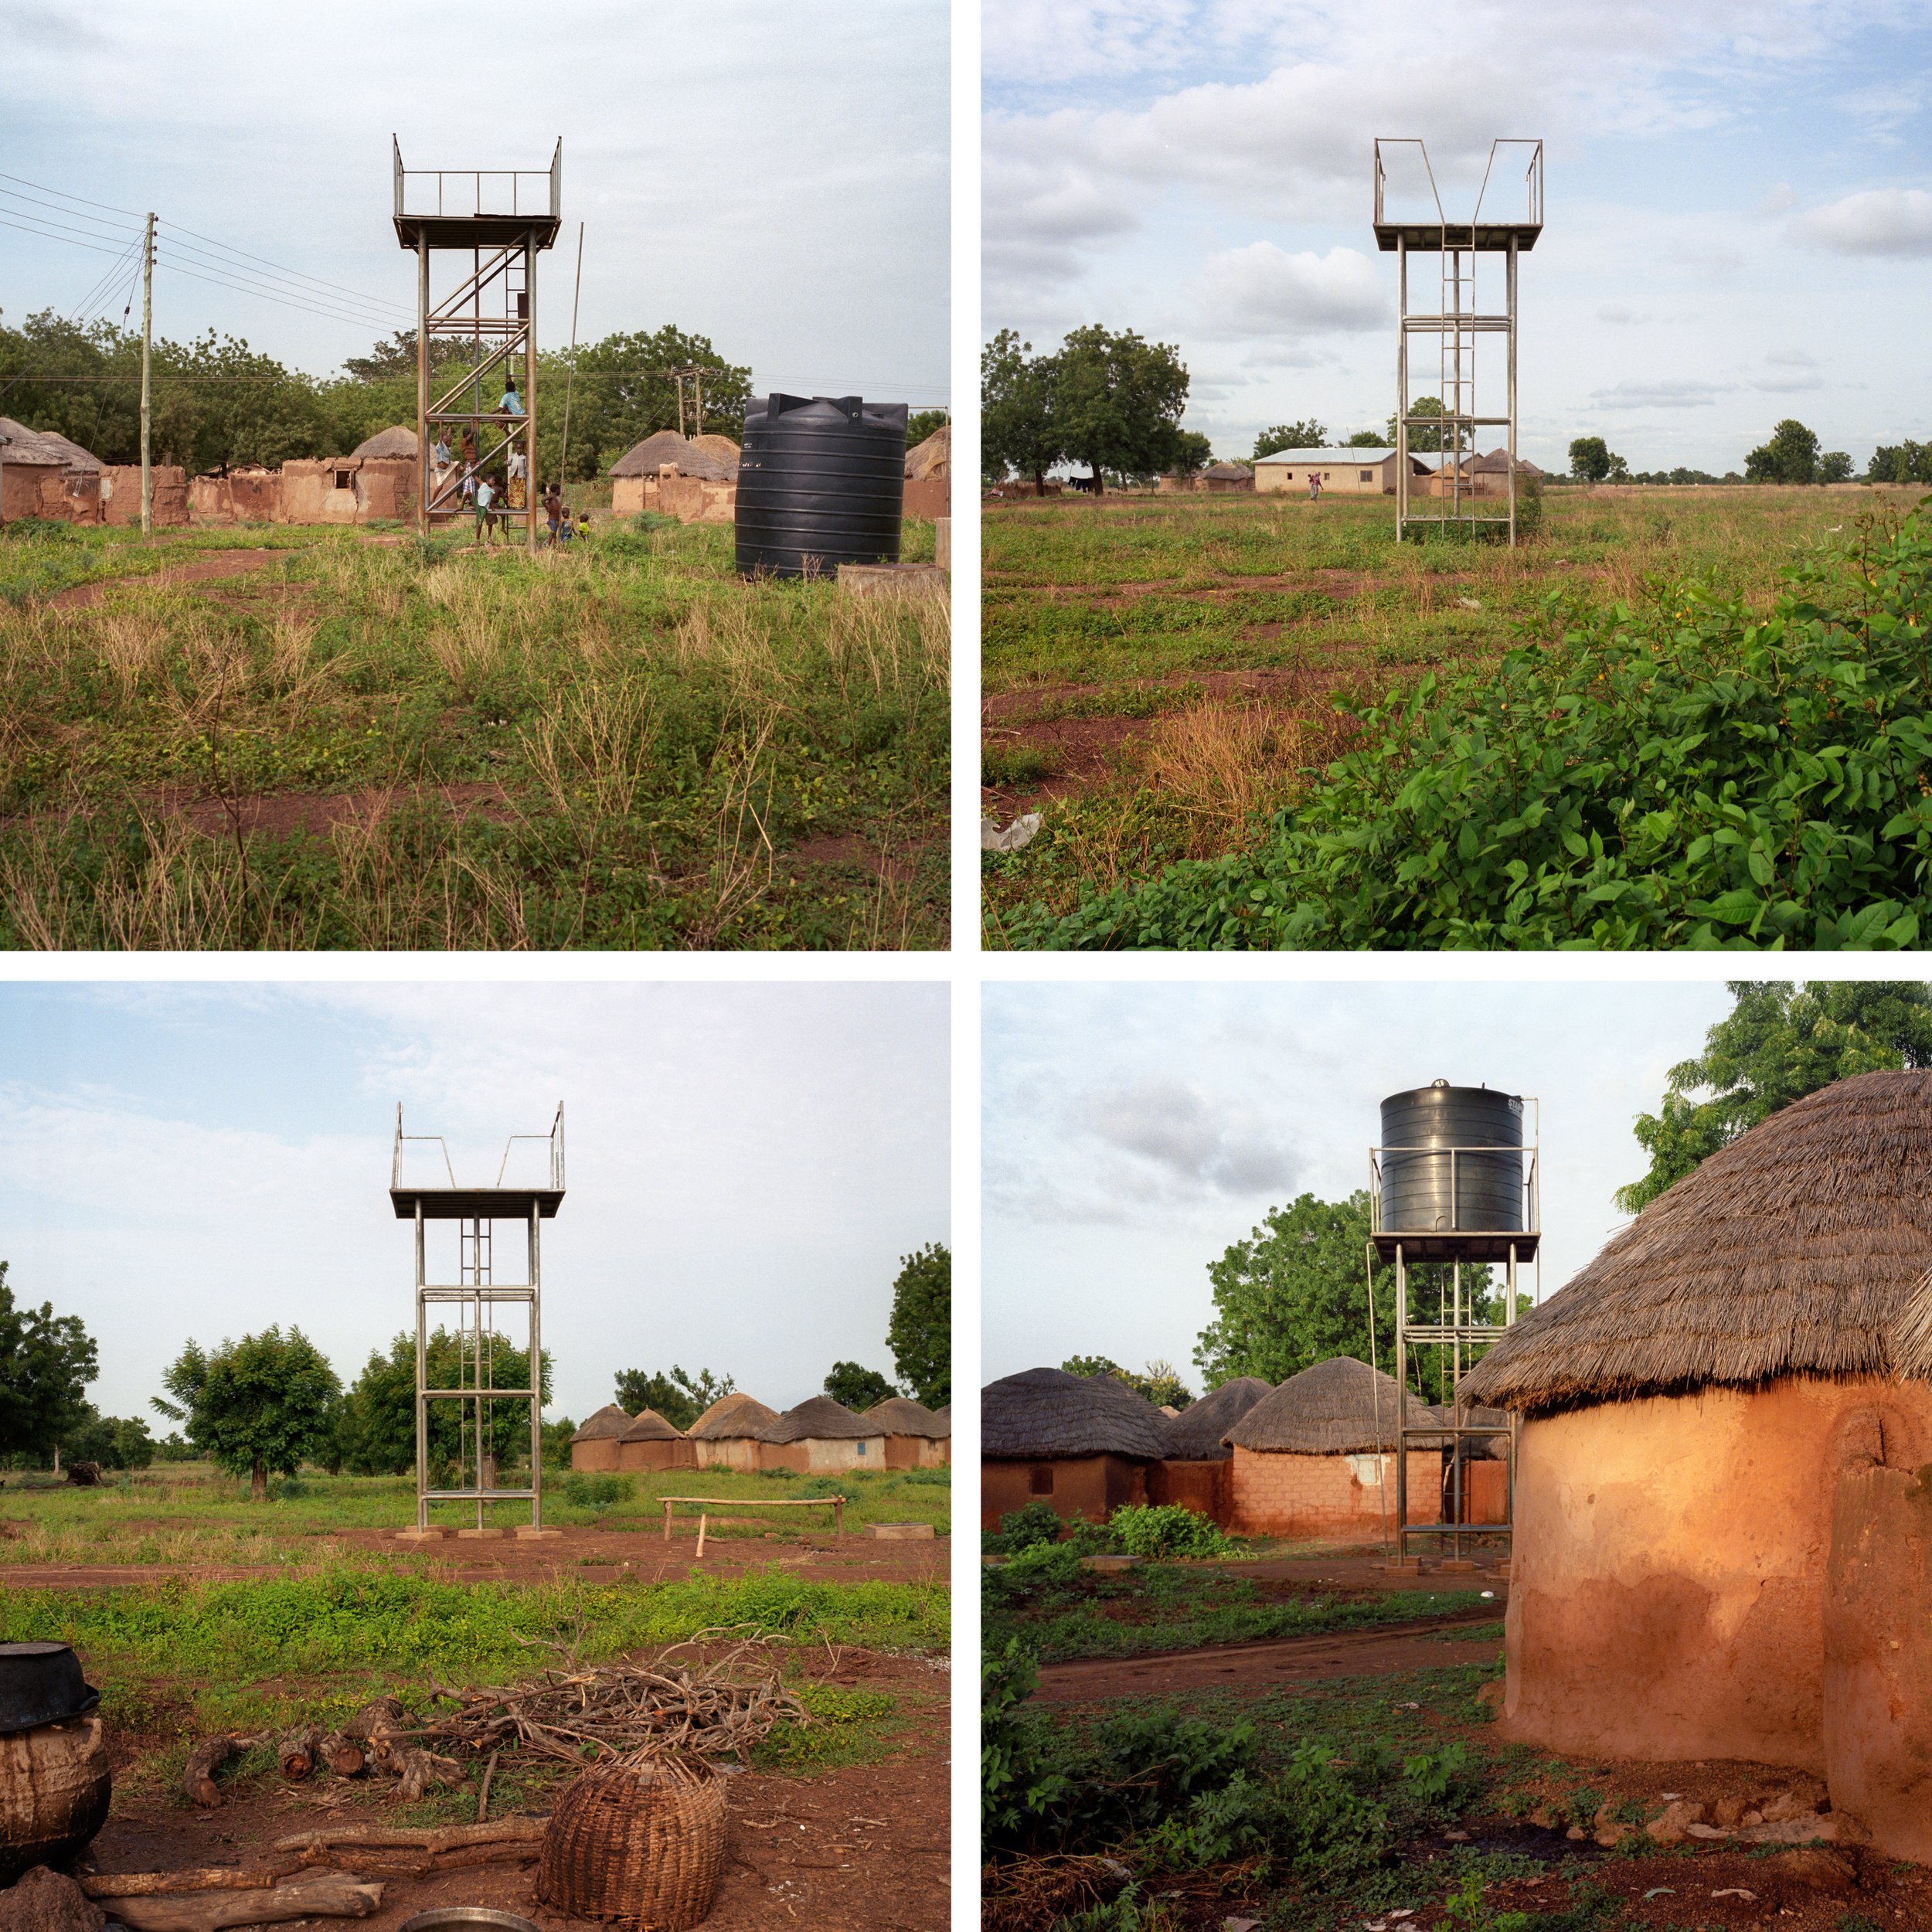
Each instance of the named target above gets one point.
<point>1779,1042</point>
<point>374,1429</point>
<point>919,1332</point>
<point>680,1398</point>
<point>46,1361</point>
<point>1160,1383</point>
<point>265,1403</point>
<point>1674,769</point>
<point>386,743</point>
<point>857,1387</point>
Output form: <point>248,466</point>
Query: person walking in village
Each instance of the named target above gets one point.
<point>564,530</point>
<point>1315,486</point>
<point>553,510</point>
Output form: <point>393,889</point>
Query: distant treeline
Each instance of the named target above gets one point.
<point>217,402</point>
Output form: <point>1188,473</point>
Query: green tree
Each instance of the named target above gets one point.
<point>1790,457</point>
<point>920,1332</point>
<point>1779,1041</point>
<point>1018,429</point>
<point>1590,459</point>
<point>1906,462</point>
<point>1834,466</point>
<point>856,1386</point>
<point>266,1403</point>
<point>1363,439</point>
<point>46,1361</point>
<point>376,1435</point>
<point>922,424</point>
<point>1307,434</point>
<point>1161,1384</point>
<point>1118,402</point>
<point>680,1398</point>
<point>1423,436</point>
<point>1193,453</point>
<point>115,1442</point>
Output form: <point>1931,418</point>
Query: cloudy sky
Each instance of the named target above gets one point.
<point>1133,1132</point>
<point>746,1165</point>
<point>1738,204</point>
<point>772,175</point>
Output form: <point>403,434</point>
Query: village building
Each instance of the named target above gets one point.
<point>731,1433</point>
<point>1315,1457</point>
<point>1082,1445</point>
<point>1720,1547</point>
<point>53,479</point>
<point>595,1445</point>
<point>1482,476</point>
<point>915,1438</point>
<point>1226,476</point>
<point>651,1443</point>
<point>819,1435</point>
<point>695,480</point>
<point>929,475</point>
<point>1343,472</point>
<point>375,483</point>
<point>1195,1470</point>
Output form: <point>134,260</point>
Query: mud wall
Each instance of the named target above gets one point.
<point>242,496</point>
<point>731,1452</point>
<point>601,1453</point>
<point>1083,1489</point>
<point>813,1457</point>
<point>1202,1486</point>
<point>121,494</point>
<point>1272,1493</point>
<point>656,1455</point>
<point>929,497</point>
<point>20,488</point>
<point>916,1452</point>
<point>1667,1590</point>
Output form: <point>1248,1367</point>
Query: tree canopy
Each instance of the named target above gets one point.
<point>1590,459</point>
<point>266,1403</point>
<point>920,1332</point>
<point>1422,436</point>
<point>1780,1041</point>
<point>1017,429</point>
<point>1903,462</point>
<point>680,1398</point>
<point>46,1361</point>
<point>1307,434</point>
<point>1790,457</point>
<point>1160,1383</point>
<point>857,1386</point>
<point>376,1434</point>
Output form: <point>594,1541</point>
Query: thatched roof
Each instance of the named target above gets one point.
<point>397,440</point>
<point>20,444</point>
<point>727,451</point>
<point>734,1415</point>
<point>1042,1412</point>
<point>945,1416</point>
<point>932,457</point>
<point>1800,1249</point>
<point>650,1427</point>
<point>819,1419</point>
<point>1195,1434</point>
<point>901,1415</point>
<point>667,445</point>
<point>1497,464</point>
<point>607,1425</point>
<point>1228,472</point>
<point>1329,1410</point>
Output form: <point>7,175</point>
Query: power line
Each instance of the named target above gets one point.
<point>260,284</point>
<point>64,196</point>
<point>378,301</point>
<point>98,248</point>
<point>287,301</point>
<point>113,228</point>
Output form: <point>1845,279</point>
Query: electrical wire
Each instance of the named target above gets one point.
<point>272,292</point>
<point>64,196</point>
<point>378,301</point>
<point>99,248</point>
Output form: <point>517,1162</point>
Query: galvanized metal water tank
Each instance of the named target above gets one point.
<point>1427,1189</point>
<point>820,482</point>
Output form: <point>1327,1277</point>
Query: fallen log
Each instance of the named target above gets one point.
<point>343,1755</point>
<point>321,1895</point>
<point>434,1838</point>
<point>207,1878</point>
<point>510,1852</point>
<point>422,1771</point>
<point>298,1753</point>
<point>198,1779</point>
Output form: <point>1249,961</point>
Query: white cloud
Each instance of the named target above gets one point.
<point>1264,290</point>
<point>1690,393</point>
<point>1877,221</point>
<point>1025,42</point>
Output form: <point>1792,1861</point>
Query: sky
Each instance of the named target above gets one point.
<point>747,1165</point>
<point>774,176</point>
<point>1133,1133</point>
<point>1738,205</point>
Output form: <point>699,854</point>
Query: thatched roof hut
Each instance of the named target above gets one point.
<point>1497,464</point>
<point>607,1425</point>
<point>20,444</point>
<point>649,1426</point>
<point>1041,1414</point>
<point>652,1443</point>
<point>689,459</point>
<point>820,1418</point>
<point>822,1434</point>
<point>932,457</point>
<point>901,1415</point>
<point>398,440</point>
<point>944,1415</point>
<point>1195,1434</point>
<point>732,1416</point>
<point>727,451</point>
<point>1340,1406</point>
<point>1795,1250</point>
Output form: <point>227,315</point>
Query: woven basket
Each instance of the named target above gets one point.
<point>639,1843</point>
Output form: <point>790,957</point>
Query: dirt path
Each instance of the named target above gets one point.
<point>1344,1653</point>
<point>217,563</point>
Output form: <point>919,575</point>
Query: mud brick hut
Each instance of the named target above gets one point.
<point>1723,1545</point>
<point>822,1435</point>
<point>1483,1495</point>
<point>1195,1472</point>
<point>1314,1456</point>
<point>595,1446</point>
<point>915,1438</point>
<point>1083,1445</point>
<point>929,475</point>
<point>731,1433</point>
<point>695,480</point>
<point>651,1443</point>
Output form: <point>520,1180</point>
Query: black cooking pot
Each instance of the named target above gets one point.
<point>41,1684</point>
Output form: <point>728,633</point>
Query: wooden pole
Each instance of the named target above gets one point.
<point>146,363</point>
<point>570,374</point>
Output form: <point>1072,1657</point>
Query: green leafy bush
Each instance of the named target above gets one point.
<point>1019,1779</point>
<point>1014,765</point>
<point>1021,1528</point>
<point>597,1489</point>
<point>1681,774</point>
<point>1166,1529</point>
<point>825,1486</point>
<point>1431,1775</point>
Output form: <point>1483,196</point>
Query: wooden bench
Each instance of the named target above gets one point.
<point>709,1506</point>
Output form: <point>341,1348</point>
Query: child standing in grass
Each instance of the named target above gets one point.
<point>553,510</point>
<point>486,496</point>
<point>564,530</point>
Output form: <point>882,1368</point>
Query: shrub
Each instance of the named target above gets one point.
<point>1014,766</point>
<point>1679,775</point>
<point>1020,1528</point>
<point>1166,1529</point>
<point>1018,1779</point>
<point>824,1486</point>
<point>597,1489</point>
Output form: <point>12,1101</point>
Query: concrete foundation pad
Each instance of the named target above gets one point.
<point>1459,1565</point>
<point>1404,1566</point>
<point>419,1535</point>
<point>524,1533</point>
<point>893,580</point>
<point>901,1531</point>
<point>482,1535</point>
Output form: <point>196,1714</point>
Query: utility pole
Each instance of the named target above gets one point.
<point>147,362</point>
<point>569,380</point>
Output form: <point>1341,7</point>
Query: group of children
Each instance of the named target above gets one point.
<point>492,498</point>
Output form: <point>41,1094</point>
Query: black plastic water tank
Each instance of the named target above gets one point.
<point>821,483</point>
<point>1427,1189</point>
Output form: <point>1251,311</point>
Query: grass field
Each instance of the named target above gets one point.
<point>189,1513</point>
<point>1163,674</point>
<point>319,739</point>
